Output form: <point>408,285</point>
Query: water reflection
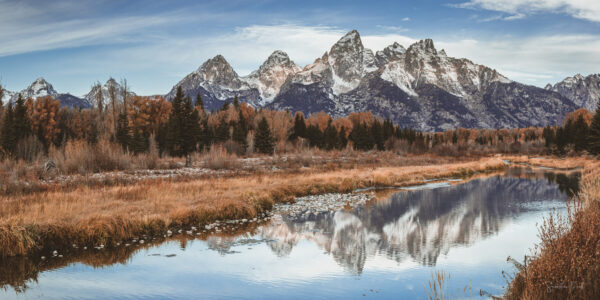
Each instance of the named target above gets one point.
<point>408,227</point>
<point>421,225</point>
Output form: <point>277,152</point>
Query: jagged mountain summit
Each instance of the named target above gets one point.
<point>271,75</point>
<point>418,87</point>
<point>41,88</point>
<point>111,89</point>
<point>583,91</point>
<point>6,96</point>
<point>217,83</point>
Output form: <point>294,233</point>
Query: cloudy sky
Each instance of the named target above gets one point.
<point>153,44</point>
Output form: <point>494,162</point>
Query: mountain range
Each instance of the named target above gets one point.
<point>418,87</point>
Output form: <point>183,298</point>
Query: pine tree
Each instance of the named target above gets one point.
<point>581,132</point>
<point>190,127</point>
<point>222,131</point>
<point>205,135</point>
<point>263,140</point>
<point>199,103</point>
<point>236,102</point>
<point>343,140</point>
<point>549,136</point>
<point>561,140</point>
<point>22,124</point>
<point>175,126</point>
<point>388,129</point>
<point>240,132</point>
<point>361,137</point>
<point>299,129</point>
<point>594,133</point>
<point>331,137</point>
<point>377,134</point>
<point>122,134</point>
<point>314,136</point>
<point>8,142</point>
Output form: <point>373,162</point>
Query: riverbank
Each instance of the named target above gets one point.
<point>104,216</point>
<point>566,263</point>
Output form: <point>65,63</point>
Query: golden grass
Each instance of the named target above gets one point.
<point>107,215</point>
<point>566,263</point>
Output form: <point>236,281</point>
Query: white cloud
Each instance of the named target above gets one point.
<point>581,9</point>
<point>406,19</point>
<point>530,60</point>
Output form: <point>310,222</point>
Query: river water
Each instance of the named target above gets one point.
<point>387,248</point>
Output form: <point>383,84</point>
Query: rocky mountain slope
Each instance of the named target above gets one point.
<point>418,87</point>
<point>217,83</point>
<point>583,91</point>
<point>41,88</point>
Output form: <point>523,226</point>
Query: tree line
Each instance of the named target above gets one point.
<point>182,126</point>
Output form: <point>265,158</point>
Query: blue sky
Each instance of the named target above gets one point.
<point>153,44</point>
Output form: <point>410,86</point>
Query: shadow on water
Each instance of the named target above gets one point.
<point>416,225</point>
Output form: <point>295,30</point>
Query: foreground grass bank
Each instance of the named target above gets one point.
<point>92,216</point>
<point>566,263</point>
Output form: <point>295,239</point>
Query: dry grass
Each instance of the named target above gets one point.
<point>566,263</point>
<point>90,216</point>
<point>560,163</point>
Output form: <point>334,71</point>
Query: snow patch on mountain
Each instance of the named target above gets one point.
<point>583,91</point>
<point>271,75</point>
<point>107,91</point>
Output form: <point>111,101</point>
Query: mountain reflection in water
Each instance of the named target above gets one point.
<point>417,226</point>
<point>420,225</point>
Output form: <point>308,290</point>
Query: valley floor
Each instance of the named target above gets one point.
<point>89,212</point>
<point>85,211</point>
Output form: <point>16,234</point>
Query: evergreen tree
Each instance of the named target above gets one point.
<point>205,135</point>
<point>331,137</point>
<point>22,124</point>
<point>236,102</point>
<point>225,106</point>
<point>140,141</point>
<point>314,135</point>
<point>580,137</point>
<point>183,128</point>
<point>343,140</point>
<point>240,132</point>
<point>388,129</point>
<point>362,138</point>
<point>548,135</point>
<point>199,103</point>
<point>561,140</point>
<point>122,134</point>
<point>299,129</point>
<point>377,134</point>
<point>594,133</point>
<point>222,131</point>
<point>8,142</point>
<point>263,140</point>
<point>191,127</point>
<point>174,139</point>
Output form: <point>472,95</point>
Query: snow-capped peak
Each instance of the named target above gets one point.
<point>271,75</point>
<point>349,61</point>
<point>392,52</point>
<point>218,71</point>
<point>423,47</point>
<point>39,88</point>
<point>111,89</point>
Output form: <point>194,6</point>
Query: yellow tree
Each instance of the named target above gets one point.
<point>44,118</point>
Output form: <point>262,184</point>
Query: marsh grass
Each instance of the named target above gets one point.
<point>437,287</point>
<point>109,214</point>
<point>566,262</point>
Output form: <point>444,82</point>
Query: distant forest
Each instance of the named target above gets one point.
<point>177,128</point>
